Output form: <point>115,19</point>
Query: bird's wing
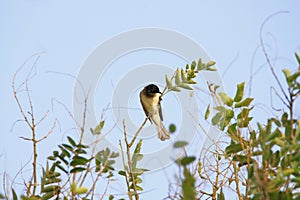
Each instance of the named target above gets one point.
<point>160,111</point>
<point>154,115</point>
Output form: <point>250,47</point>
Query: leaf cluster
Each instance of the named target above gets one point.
<point>132,173</point>
<point>184,78</point>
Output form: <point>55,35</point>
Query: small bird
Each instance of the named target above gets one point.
<point>150,98</point>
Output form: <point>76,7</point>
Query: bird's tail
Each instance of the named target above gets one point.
<point>162,132</point>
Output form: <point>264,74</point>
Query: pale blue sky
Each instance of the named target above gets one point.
<point>68,31</point>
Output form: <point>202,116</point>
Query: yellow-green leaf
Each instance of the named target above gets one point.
<point>180,144</point>
<point>177,77</point>
<point>286,72</point>
<point>168,82</point>
<point>239,92</point>
<point>193,65</point>
<point>185,86</point>
<point>233,148</point>
<point>210,63</point>
<point>73,186</point>
<point>244,103</point>
<point>81,190</point>
<point>187,160</point>
<point>176,89</point>
<point>172,128</point>
<point>226,99</point>
<point>288,172</point>
<point>207,112</point>
<point>298,58</point>
<point>183,76</point>
<point>200,65</point>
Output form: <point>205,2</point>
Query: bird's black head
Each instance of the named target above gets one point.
<point>151,89</point>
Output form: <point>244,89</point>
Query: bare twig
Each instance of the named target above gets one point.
<point>124,165</point>
<point>137,132</point>
<point>267,56</point>
<point>30,121</point>
<point>129,162</point>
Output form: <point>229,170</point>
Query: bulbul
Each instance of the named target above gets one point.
<point>150,98</point>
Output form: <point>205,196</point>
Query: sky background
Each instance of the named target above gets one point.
<point>67,32</point>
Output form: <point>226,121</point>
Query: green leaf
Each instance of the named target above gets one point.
<point>226,99</point>
<point>175,88</point>
<point>298,58</point>
<point>52,180</point>
<point>276,133</point>
<point>71,141</point>
<point>183,77</point>
<point>99,127</point>
<point>111,197</point>
<point>200,65</point>
<point>293,77</point>
<point>114,155</point>
<point>216,119</point>
<point>77,169</point>
<point>180,144</point>
<point>193,65</point>
<point>221,195</point>
<point>241,159</point>
<point>233,132</point>
<point>138,188</point>
<point>289,171</point>
<point>48,195</point>
<point>50,188</point>
<point>240,92</point>
<point>211,69</point>
<point>210,63</point>
<point>64,151</point>
<point>15,197</point>
<point>246,102</point>
<point>81,190</point>
<point>138,147</point>
<point>122,173</point>
<point>172,128</point>
<point>78,160</point>
<point>243,119</point>
<point>233,148</point>
<point>139,171</point>
<point>187,160</point>
<point>138,180</point>
<point>207,112</point>
<point>177,77</point>
<point>168,82</point>
<point>68,147</point>
<point>50,174</point>
<point>287,74</point>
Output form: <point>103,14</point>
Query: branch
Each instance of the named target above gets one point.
<point>267,56</point>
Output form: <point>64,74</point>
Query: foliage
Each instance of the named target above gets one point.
<point>73,160</point>
<point>257,160</point>
<point>269,154</point>
<point>185,77</point>
<point>187,179</point>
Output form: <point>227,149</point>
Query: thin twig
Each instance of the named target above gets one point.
<point>126,177</point>
<point>267,56</point>
<point>129,162</point>
<point>137,133</point>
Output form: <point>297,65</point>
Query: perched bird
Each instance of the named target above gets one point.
<point>150,98</point>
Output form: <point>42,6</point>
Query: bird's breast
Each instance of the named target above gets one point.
<point>149,102</point>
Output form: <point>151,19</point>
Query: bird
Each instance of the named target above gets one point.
<point>150,98</point>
